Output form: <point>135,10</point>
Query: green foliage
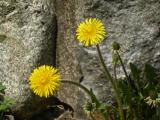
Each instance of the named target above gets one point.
<point>139,94</point>
<point>2,88</point>
<point>136,74</point>
<point>5,102</point>
<point>150,74</point>
<point>146,81</point>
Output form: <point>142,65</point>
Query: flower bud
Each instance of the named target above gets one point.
<point>114,58</point>
<point>115,46</point>
<point>89,107</point>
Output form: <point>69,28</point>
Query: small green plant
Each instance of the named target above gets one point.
<point>141,96</point>
<point>5,102</point>
<point>137,95</point>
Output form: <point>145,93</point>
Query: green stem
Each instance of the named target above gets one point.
<point>132,84</point>
<point>123,67</point>
<point>89,92</point>
<point>115,72</point>
<point>109,77</point>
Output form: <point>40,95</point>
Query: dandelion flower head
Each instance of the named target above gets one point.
<point>45,81</point>
<point>90,32</point>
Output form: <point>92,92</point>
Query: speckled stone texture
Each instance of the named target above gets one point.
<point>67,56</point>
<point>27,40</point>
<point>135,24</point>
<point>27,32</point>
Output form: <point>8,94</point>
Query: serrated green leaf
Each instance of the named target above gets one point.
<point>135,71</point>
<point>104,106</point>
<point>126,91</point>
<point>6,104</point>
<point>136,74</point>
<point>94,99</point>
<point>2,88</point>
<point>150,74</point>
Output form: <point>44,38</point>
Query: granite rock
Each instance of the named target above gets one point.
<point>27,40</point>
<point>67,57</point>
<point>28,33</point>
<point>135,24</point>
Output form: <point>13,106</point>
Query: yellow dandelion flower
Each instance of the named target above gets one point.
<point>44,81</point>
<point>91,32</point>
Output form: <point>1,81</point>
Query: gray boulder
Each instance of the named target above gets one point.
<point>135,24</point>
<point>27,40</point>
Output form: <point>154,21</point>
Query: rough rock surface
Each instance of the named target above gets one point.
<point>135,24</point>
<point>27,32</point>
<point>27,40</point>
<point>66,56</point>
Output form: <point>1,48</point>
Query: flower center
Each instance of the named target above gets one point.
<point>90,31</point>
<point>45,80</point>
